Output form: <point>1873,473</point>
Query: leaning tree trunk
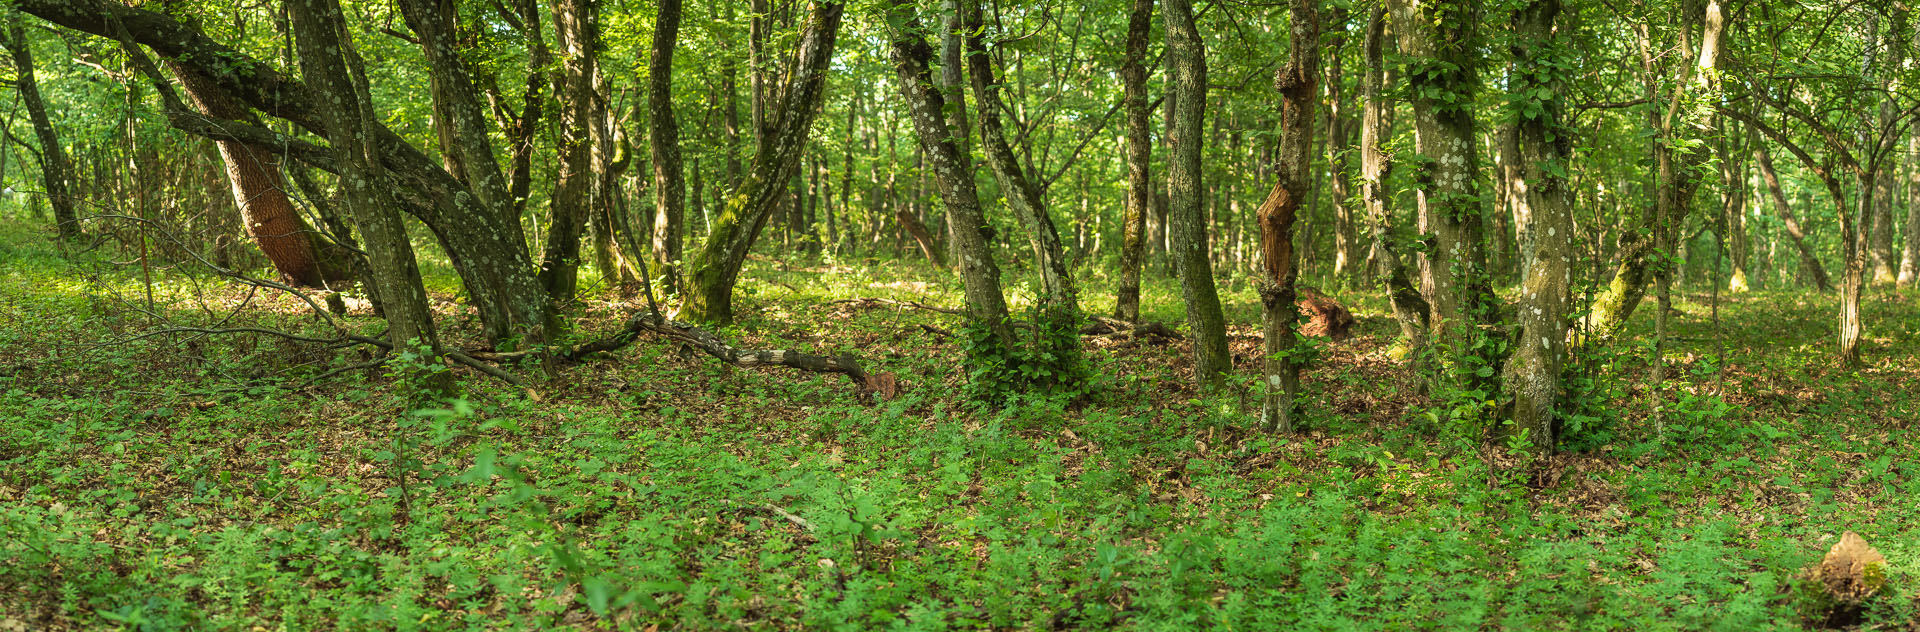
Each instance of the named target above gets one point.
<point>1019,187</point>
<point>1437,36</point>
<point>459,122</point>
<point>669,187</point>
<point>1299,91</point>
<point>1809,262</point>
<point>253,175</point>
<point>56,174</point>
<point>485,247</point>
<point>1409,308</point>
<point>329,61</point>
<point>716,267</point>
<point>1187,104</point>
<point>926,106</point>
<point>1543,206</point>
<point>1133,225</point>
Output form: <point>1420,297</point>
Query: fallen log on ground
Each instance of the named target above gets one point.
<point>688,334</point>
<point>1096,325</point>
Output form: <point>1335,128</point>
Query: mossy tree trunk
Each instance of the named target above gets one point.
<point>1186,215</point>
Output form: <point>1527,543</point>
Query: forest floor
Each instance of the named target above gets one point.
<point>210,483</point>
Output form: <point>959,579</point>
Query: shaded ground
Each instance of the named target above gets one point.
<point>180,482</point>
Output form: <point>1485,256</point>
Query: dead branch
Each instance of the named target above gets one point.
<point>693,336</point>
<point>1096,325</point>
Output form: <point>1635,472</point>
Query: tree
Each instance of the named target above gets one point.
<point>926,106</point>
<point>1298,84</point>
<point>56,174</point>
<point>716,266</point>
<point>329,61</point>
<point>576,25</point>
<point>1187,108</point>
<point>669,184</point>
<point>1809,262</point>
<point>1409,308</point>
<point>1438,38</point>
<point>1543,208</point>
<point>1133,222</point>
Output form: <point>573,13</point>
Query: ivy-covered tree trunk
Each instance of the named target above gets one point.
<point>1438,37</point>
<point>328,60</point>
<point>1298,84</point>
<point>1139,133</point>
<point>1543,206</point>
<point>1186,216</point>
<point>926,106</point>
<point>1409,308</point>
<point>56,173</point>
<point>716,266</point>
<point>669,185</point>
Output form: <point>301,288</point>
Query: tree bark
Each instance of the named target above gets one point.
<point>259,192</point>
<point>1809,262</point>
<point>1139,202</point>
<point>1438,37</point>
<point>1409,308</point>
<point>56,173</point>
<point>1341,131</point>
<point>1187,102</point>
<point>1910,254</point>
<point>716,267</point>
<point>1297,84</point>
<point>1019,187</point>
<point>459,122</point>
<point>577,33</point>
<point>1543,205</point>
<point>329,60</point>
<point>669,186</point>
<point>927,105</point>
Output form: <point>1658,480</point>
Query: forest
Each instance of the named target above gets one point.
<point>959,314</point>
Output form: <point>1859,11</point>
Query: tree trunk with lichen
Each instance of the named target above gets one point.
<point>715,268</point>
<point>1543,208</point>
<point>1186,218</point>
<point>926,106</point>
<point>329,62</point>
<point>1409,308</point>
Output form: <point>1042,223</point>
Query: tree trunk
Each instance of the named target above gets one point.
<point>459,122</point>
<point>1187,101</point>
<point>328,60</point>
<point>1297,84</point>
<point>56,172</point>
<point>253,175</point>
<point>669,187</point>
<point>1733,181</point>
<point>577,32</point>
<point>1910,254</point>
<point>1133,225</point>
<point>1340,138</point>
<point>1409,308</point>
<point>1679,149</point>
<point>1016,184</point>
<point>1543,206</point>
<point>1809,262</point>
<point>716,267</point>
<point>1437,36</point>
<point>927,105</point>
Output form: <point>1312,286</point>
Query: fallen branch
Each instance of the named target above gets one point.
<point>693,336</point>
<point>1096,325</point>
